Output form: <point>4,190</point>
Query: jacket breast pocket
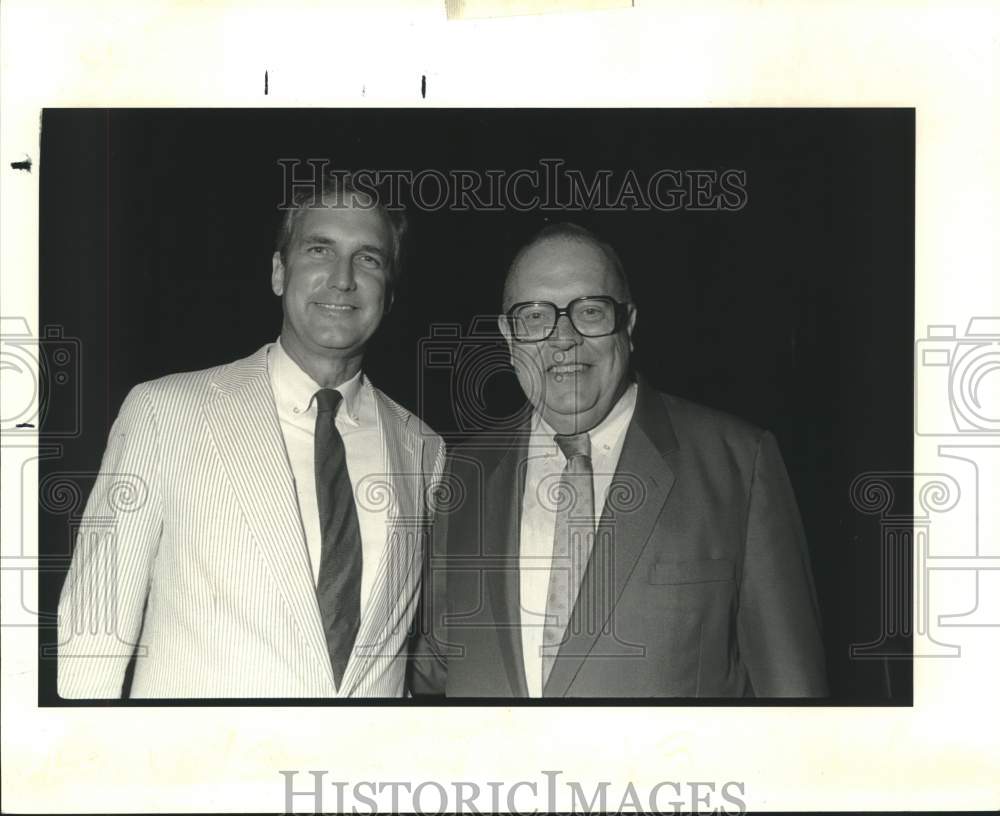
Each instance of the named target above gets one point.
<point>673,573</point>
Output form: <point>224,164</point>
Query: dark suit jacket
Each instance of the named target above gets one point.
<point>701,586</point>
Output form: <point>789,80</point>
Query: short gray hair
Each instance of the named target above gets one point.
<point>337,187</point>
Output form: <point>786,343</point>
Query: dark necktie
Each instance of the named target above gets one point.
<point>574,539</point>
<point>338,586</point>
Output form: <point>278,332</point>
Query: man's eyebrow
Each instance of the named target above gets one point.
<point>316,238</point>
<point>324,240</point>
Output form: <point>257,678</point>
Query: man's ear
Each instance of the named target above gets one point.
<point>632,312</point>
<point>277,275</point>
<point>504,327</point>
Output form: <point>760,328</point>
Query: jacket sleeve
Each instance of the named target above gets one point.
<point>428,664</point>
<point>778,618</point>
<point>103,597</point>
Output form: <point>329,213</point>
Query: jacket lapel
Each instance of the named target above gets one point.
<point>502,547</point>
<point>244,424</point>
<point>642,481</point>
<point>398,570</point>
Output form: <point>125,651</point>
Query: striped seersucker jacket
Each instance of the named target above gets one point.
<point>192,549</point>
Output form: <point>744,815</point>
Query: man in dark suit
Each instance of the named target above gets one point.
<point>623,542</point>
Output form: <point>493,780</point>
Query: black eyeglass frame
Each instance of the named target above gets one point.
<point>621,316</point>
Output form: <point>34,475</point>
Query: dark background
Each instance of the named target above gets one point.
<point>795,312</point>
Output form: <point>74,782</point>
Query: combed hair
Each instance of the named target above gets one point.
<point>335,188</point>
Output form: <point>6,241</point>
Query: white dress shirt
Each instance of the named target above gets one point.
<point>358,424</point>
<point>538,517</point>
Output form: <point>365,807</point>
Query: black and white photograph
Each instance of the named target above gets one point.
<point>593,374</point>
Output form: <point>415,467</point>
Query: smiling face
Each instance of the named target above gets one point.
<point>332,284</point>
<point>573,381</point>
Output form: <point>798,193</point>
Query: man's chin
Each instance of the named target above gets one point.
<point>338,341</point>
<point>568,416</point>
<point>568,399</point>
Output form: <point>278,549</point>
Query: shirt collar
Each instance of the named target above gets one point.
<point>296,389</point>
<point>604,435</point>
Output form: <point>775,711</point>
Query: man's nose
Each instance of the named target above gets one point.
<point>565,334</point>
<point>341,275</point>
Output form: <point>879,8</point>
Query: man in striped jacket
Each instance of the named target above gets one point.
<point>257,528</point>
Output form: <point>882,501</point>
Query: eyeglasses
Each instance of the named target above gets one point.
<point>595,316</point>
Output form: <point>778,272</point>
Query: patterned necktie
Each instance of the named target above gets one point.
<point>574,538</point>
<point>338,586</point>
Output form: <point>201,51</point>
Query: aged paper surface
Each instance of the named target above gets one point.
<point>469,9</point>
<point>941,59</point>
